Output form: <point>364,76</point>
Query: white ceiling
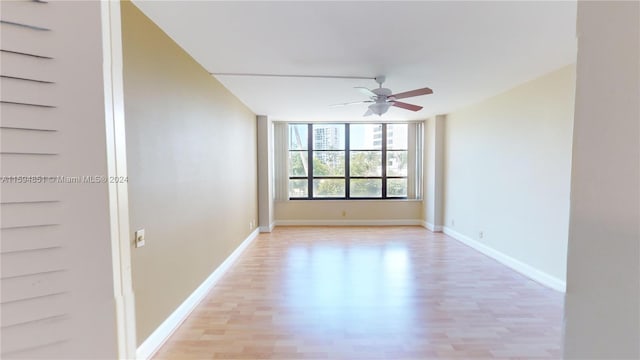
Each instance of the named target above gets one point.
<point>464,51</point>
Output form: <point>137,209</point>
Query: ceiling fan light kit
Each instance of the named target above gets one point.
<point>379,108</point>
<point>381,99</point>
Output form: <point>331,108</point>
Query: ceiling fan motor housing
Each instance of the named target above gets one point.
<point>382,92</point>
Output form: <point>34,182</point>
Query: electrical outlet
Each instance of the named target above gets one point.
<point>344,213</point>
<point>139,238</point>
<point>250,225</point>
<point>481,234</point>
<point>453,222</point>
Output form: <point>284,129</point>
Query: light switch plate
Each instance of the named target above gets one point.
<point>139,238</point>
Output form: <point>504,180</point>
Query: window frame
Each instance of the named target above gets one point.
<point>347,165</point>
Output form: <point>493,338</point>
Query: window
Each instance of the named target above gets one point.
<point>348,161</point>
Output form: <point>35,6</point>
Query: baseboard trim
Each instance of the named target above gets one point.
<point>267,229</point>
<point>431,227</point>
<point>394,222</point>
<point>153,343</point>
<point>517,265</point>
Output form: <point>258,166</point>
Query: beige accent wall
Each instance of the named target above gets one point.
<point>602,308</point>
<point>192,169</point>
<point>507,171</point>
<point>384,212</point>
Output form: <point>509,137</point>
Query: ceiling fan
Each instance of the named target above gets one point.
<point>381,99</point>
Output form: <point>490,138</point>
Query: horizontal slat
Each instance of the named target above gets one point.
<point>26,54</point>
<point>28,67</point>
<point>32,262</point>
<point>35,286</point>
<point>35,334</point>
<point>26,215</point>
<point>16,192</point>
<point>54,350</point>
<point>21,39</point>
<point>26,25</point>
<point>30,92</point>
<point>30,117</point>
<point>20,312</point>
<point>27,12</point>
<point>29,142</point>
<point>25,78</point>
<point>18,164</point>
<point>21,239</point>
<point>21,103</point>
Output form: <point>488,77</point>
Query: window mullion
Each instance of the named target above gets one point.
<point>384,161</point>
<point>310,161</point>
<point>347,164</point>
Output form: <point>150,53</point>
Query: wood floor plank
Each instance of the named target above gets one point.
<point>369,293</point>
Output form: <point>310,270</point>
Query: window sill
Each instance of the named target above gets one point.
<point>342,201</point>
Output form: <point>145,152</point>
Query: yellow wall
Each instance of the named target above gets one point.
<point>192,169</point>
<point>507,171</point>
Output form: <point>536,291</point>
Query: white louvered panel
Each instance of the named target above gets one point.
<point>26,40</point>
<point>27,117</point>
<point>43,286</point>
<point>16,192</point>
<point>33,309</point>
<point>29,141</point>
<point>29,92</point>
<point>56,350</point>
<point>28,12</point>
<point>26,164</point>
<point>29,238</point>
<point>30,214</point>
<point>52,275</point>
<point>32,262</point>
<point>34,334</point>
<point>27,67</point>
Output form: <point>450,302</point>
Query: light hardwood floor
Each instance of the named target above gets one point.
<point>369,293</point>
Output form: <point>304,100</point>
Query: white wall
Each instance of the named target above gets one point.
<point>602,314</point>
<point>57,290</point>
<point>507,173</point>
<point>433,172</point>
<point>265,173</point>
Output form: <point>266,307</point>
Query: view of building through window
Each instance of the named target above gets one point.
<point>348,161</point>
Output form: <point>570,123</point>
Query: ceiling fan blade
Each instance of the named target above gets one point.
<point>352,103</point>
<point>416,92</point>
<point>365,91</point>
<point>368,113</point>
<point>403,105</point>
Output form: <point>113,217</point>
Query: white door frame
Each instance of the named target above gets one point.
<point>117,168</point>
